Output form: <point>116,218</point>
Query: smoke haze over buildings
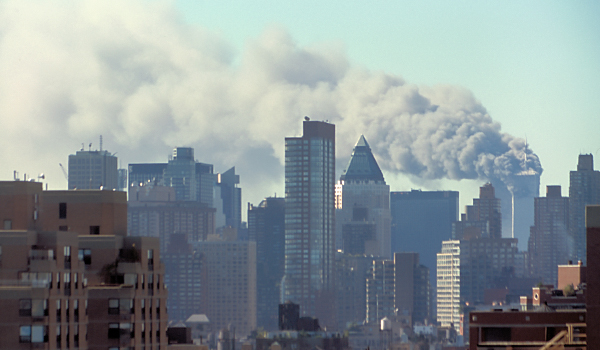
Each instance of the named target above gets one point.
<point>137,74</point>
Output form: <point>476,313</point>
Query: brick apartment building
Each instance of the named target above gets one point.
<point>69,275</point>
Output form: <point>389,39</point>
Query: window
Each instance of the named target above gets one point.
<point>67,255</point>
<point>58,313</point>
<point>113,306</point>
<point>76,310</point>
<point>85,255</point>
<point>25,334</point>
<point>62,210</point>
<point>63,228</point>
<point>58,337</point>
<point>94,230</point>
<point>113,331</point>
<point>39,308</point>
<point>25,307</point>
<point>151,259</point>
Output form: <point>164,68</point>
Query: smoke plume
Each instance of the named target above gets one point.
<point>137,74</point>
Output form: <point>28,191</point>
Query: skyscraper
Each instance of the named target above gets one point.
<point>584,189</point>
<point>363,190</point>
<point>309,220</point>
<point>266,226</point>
<point>93,170</point>
<point>423,216</point>
<point>548,239</point>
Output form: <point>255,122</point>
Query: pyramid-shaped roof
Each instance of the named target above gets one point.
<point>362,165</point>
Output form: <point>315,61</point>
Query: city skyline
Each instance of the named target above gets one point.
<point>70,94</point>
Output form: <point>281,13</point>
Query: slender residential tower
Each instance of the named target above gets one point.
<point>309,220</point>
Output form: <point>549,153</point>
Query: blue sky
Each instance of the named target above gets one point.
<point>232,79</point>
<point>534,65</point>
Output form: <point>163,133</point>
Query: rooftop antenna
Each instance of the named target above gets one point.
<point>100,143</point>
<point>90,147</point>
<point>82,147</point>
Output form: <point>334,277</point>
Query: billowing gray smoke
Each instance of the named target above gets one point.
<point>135,73</point>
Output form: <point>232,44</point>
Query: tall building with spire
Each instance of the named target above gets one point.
<point>363,219</point>
<point>309,220</point>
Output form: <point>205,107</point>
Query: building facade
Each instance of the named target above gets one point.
<point>154,212</point>
<point>228,285</point>
<point>309,220</point>
<point>72,287</point>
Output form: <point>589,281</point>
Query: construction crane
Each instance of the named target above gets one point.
<point>64,171</point>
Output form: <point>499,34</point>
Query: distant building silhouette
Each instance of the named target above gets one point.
<point>482,219</point>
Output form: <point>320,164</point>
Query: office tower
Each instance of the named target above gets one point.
<point>309,220</point>
<point>584,189</point>
<point>231,197</point>
<point>526,187</point>
<point>154,212</point>
<point>72,289</point>
<point>363,188</point>
<point>548,242</point>
<point>423,216</point>
<point>465,268</point>
<point>183,276</point>
<point>192,180</point>
<point>351,278</point>
<point>380,291</point>
<point>412,287</point>
<point>482,219</point>
<point>228,285</point>
<point>93,170</point>
<point>266,227</point>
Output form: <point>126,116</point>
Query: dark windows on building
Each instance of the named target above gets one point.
<point>94,230</point>
<point>62,210</point>
<point>25,307</point>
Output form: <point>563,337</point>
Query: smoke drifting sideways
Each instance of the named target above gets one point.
<point>137,74</point>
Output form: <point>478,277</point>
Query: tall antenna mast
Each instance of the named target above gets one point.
<point>100,143</point>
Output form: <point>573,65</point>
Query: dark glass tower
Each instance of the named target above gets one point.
<point>584,189</point>
<point>309,220</point>
<point>266,226</point>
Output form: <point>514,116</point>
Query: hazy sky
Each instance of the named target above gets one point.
<point>219,76</point>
